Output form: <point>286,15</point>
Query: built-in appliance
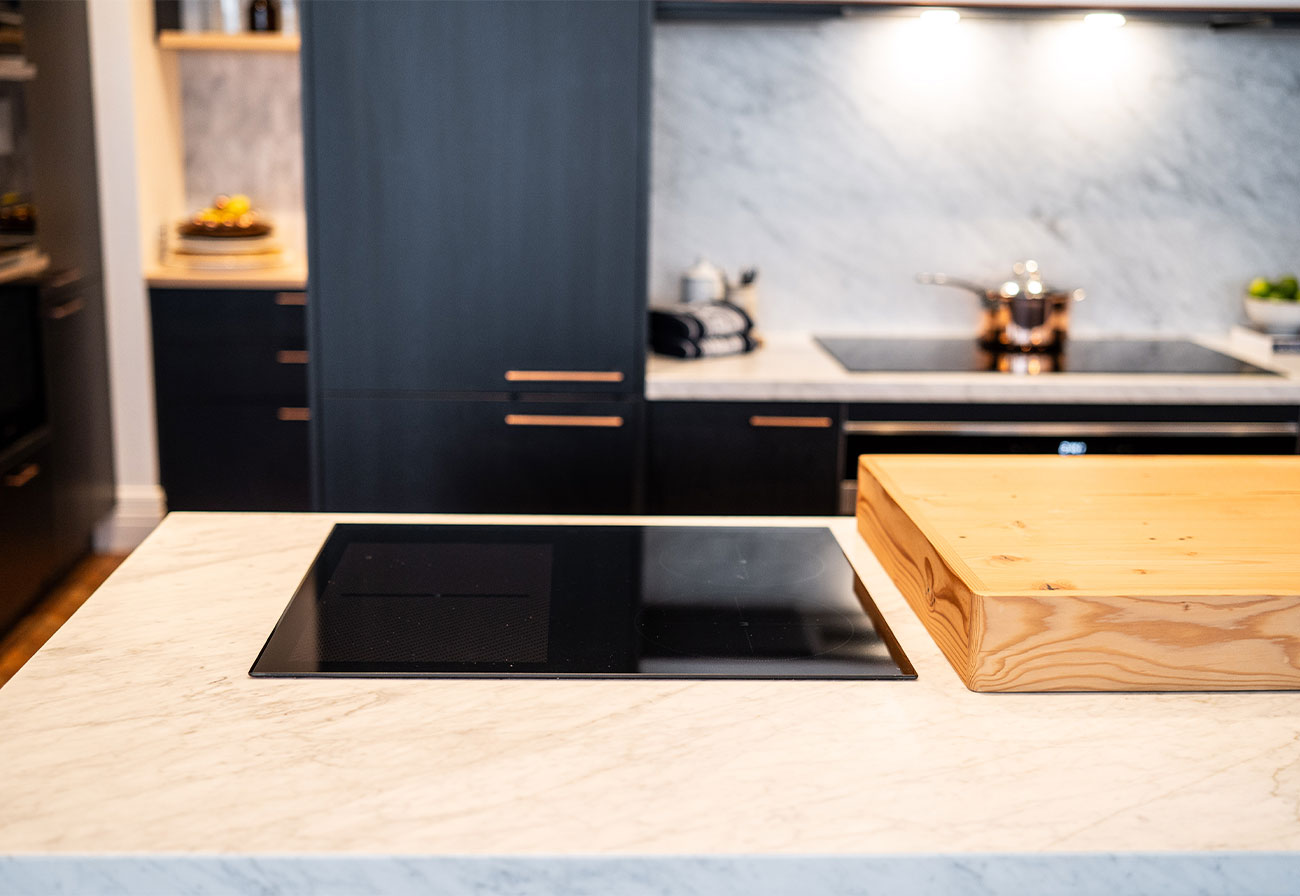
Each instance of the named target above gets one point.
<point>26,511</point>
<point>1173,356</point>
<point>612,601</point>
<point>1052,428</point>
<point>22,389</point>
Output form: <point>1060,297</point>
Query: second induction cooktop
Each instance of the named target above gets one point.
<point>581,601</point>
<point>1167,356</point>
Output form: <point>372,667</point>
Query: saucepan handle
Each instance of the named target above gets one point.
<point>986,297</point>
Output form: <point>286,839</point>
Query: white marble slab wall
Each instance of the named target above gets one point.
<point>1155,165</point>
<point>242,133</point>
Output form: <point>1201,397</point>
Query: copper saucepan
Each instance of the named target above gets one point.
<point>1020,314</point>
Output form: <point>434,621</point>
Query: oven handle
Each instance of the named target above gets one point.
<point>22,476</point>
<point>66,309</point>
<point>1064,430</point>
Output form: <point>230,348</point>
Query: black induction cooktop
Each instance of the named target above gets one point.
<point>581,601</point>
<point>869,355</point>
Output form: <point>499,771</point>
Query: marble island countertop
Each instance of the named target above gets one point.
<point>138,756</point>
<point>790,366</point>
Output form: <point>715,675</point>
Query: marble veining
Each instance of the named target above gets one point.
<point>1154,165</point>
<point>792,367</point>
<point>242,133</point>
<point>137,750</point>
<point>925,875</point>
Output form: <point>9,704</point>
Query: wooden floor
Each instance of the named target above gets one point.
<point>44,619</point>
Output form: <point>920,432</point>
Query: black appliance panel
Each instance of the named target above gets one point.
<point>581,601</point>
<point>22,379</point>
<point>867,355</point>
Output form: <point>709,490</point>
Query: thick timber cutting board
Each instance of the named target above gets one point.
<point>1038,573</point>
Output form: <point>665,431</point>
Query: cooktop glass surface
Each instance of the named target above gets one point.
<point>867,355</point>
<point>581,601</point>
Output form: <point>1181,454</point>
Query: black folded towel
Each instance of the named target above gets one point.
<point>700,330</point>
<point>709,346</point>
<point>697,321</point>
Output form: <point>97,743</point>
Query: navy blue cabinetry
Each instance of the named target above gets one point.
<point>476,179</point>
<point>230,376</point>
<point>709,457</point>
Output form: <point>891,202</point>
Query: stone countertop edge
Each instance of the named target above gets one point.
<point>137,751</point>
<point>1066,874</point>
<point>790,366</point>
<point>288,277</point>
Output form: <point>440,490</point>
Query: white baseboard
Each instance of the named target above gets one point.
<point>140,508</point>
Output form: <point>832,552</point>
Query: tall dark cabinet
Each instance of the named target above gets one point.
<point>66,188</point>
<point>60,483</point>
<point>477,202</point>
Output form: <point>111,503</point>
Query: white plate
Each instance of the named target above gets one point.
<point>225,245</point>
<point>246,262</point>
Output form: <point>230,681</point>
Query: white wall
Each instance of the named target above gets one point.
<point>137,148</point>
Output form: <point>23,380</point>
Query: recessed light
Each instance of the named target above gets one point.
<point>1104,19</point>
<point>940,16</point>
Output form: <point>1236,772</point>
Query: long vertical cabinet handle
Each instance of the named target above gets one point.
<point>758,420</point>
<point>564,376</point>
<point>563,420</point>
<point>22,476</point>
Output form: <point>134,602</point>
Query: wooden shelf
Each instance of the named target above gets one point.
<point>271,42</point>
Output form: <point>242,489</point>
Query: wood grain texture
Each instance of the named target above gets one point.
<point>1096,573</point>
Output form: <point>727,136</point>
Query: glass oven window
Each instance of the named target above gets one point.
<point>22,392</point>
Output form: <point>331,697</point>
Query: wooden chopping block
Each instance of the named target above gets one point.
<point>1102,573</point>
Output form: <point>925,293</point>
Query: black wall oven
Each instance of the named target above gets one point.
<point>1064,430</point>
<point>22,378</point>
<point>26,495</point>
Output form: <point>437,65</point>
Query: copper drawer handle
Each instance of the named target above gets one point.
<point>293,414</point>
<point>564,376</point>
<point>791,422</point>
<point>291,298</point>
<point>291,357</point>
<point>561,420</point>
<point>65,278</point>
<point>67,309</point>
<point>23,476</point>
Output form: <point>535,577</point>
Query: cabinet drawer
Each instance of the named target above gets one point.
<point>229,344</point>
<point>235,456</point>
<point>411,455</point>
<point>27,536</point>
<point>747,458</point>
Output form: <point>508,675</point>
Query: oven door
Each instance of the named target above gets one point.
<point>22,389</point>
<point>1059,437</point>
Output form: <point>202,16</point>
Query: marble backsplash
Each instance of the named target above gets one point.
<point>242,133</point>
<point>1155,165</point>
